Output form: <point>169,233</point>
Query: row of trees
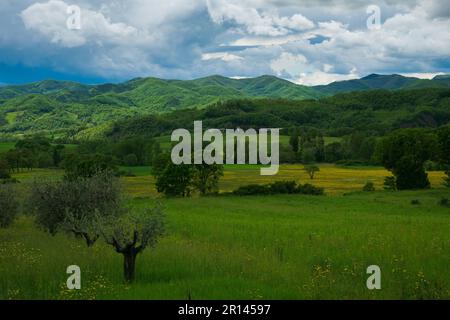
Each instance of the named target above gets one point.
<point>182,180</point>
<point>308,146</point>
<point>39,152</point>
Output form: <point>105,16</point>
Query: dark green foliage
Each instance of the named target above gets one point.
<point>309,189</point>
<point>294,141</point>
<point>181,180</point>
<point>390,184</point>
<point>206,178</point>
<point>175,180</point>
<point>444,202</point>
<point>404,153</point>
<point>9,206</point>
<point>334,152</point>
<point>444,144</point>
<point>281,187</point>
<point>415,202</point>
<point>130,160</point>
<point>75,206</point>
<point>4,169</point>
<point>253,189</point>
<point>369,187</point>
<point>79,166</point>
<point>447,179</point>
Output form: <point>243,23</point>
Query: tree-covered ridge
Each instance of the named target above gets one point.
<point>373,112</point>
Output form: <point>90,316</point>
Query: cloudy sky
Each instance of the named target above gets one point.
<point>305,41</point>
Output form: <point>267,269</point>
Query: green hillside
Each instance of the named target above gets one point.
<point>374,112</point>
<point>376,81</point>
<point>67,108</point>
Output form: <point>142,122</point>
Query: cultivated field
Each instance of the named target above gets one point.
<point>277,247</point>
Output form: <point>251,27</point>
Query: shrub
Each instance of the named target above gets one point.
<point>369,187</point>
<point>9,207</point>
<point>415,202</point>
<point>253,189</point>
<point>444,202</point>
<point>390,183</point>
<point>281,187</point>
<point>309,189</point>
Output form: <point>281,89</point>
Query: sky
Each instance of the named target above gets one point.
<point>308,42</point>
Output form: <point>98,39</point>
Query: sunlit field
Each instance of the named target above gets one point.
<point>335,180</point>
<point>227,247</point>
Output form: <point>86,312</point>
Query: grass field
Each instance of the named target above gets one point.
<point>278,247</point>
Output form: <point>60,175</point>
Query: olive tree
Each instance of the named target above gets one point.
<point>132,234</point>
<point>74,206</point>
<point>312,170</point>
<point>9,206</point>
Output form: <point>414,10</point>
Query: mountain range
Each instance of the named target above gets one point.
<point>58,106</point>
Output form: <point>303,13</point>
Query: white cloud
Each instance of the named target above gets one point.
<point>224,56</point>
<point>323,78</point>
<point>256,22</point>
<point>427,76</point>
<point>50,20</point>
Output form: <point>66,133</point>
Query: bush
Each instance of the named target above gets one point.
<point>369,187</point>
<point>283,187</point>
<point>444,202</point>
<point>253,189</point>
<point>9,207</point>
<point>309,189</point>
<point>415,202</point>
<point>280,187</point>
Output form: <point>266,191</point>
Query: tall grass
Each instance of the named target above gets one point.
<point>278,247</point>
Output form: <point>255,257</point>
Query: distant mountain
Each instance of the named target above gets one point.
<point>377,81</point>
<point>62,106</point>
<point>443,79</point>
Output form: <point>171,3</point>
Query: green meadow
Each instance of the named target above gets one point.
<point>228,247</point>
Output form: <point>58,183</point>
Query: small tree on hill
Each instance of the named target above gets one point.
<point>312,170</point>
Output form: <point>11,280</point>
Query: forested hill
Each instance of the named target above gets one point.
<point>59,107</point>
<point>374,112</point>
